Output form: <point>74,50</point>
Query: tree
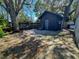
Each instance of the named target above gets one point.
<point>21,18</point>
<point>39,7</point>
<point>58,6</point>
<point>77,26</point>
<point>13,7</point>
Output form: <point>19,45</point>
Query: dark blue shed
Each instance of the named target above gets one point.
<point>50,21</point>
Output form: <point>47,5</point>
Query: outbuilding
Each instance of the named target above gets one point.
<point>50,21</point>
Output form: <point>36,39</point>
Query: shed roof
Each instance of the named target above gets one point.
<point>47,12</point>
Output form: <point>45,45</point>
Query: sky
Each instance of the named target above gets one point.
<point>28,10</point>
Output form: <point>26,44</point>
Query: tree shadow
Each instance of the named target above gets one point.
<point>63,53</point>
<point>74,39</point>
<point>46,32</point>
<point>26,49</point>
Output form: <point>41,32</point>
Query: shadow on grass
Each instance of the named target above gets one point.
<point>29,49</point>
<point>63,53</point>
<point>23,50</point>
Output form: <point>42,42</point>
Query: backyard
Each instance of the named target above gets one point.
<point>36,44</point>
<point>39,29</point>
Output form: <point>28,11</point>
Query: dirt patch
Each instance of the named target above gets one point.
<point>32,45</point>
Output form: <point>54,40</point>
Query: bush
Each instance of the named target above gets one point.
<point>1,33</point>
<point>3,23</point>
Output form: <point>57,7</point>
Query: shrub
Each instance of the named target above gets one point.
<point>3,23</point>
<point>1,33</point>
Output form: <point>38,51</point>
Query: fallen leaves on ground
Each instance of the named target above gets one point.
<point>36,44</point>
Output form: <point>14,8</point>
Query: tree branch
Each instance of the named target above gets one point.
<point>7,5</point>
<point>20,5</point>
<point>7,10</point>
<point>71,1</point>
<point>72,11</point>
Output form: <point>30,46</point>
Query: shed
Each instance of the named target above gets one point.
<point>50,21</point>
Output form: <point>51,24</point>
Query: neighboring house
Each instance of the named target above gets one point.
<point>50,21</point>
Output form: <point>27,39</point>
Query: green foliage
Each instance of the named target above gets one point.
<point>3,25</point>
<point>1,33</point>
<point>55,6</point>
<point>3,22</point>
<point>22,18</point>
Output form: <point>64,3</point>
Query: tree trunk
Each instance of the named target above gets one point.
<point>77,27</point>
<point>13,20</point>
<point>77,31</point>
<point>14,25</point>
<point>13,7</point>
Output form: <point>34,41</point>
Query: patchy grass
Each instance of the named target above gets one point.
<point>31,45</point>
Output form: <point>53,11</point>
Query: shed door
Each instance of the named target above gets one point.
<point>46,24</point>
